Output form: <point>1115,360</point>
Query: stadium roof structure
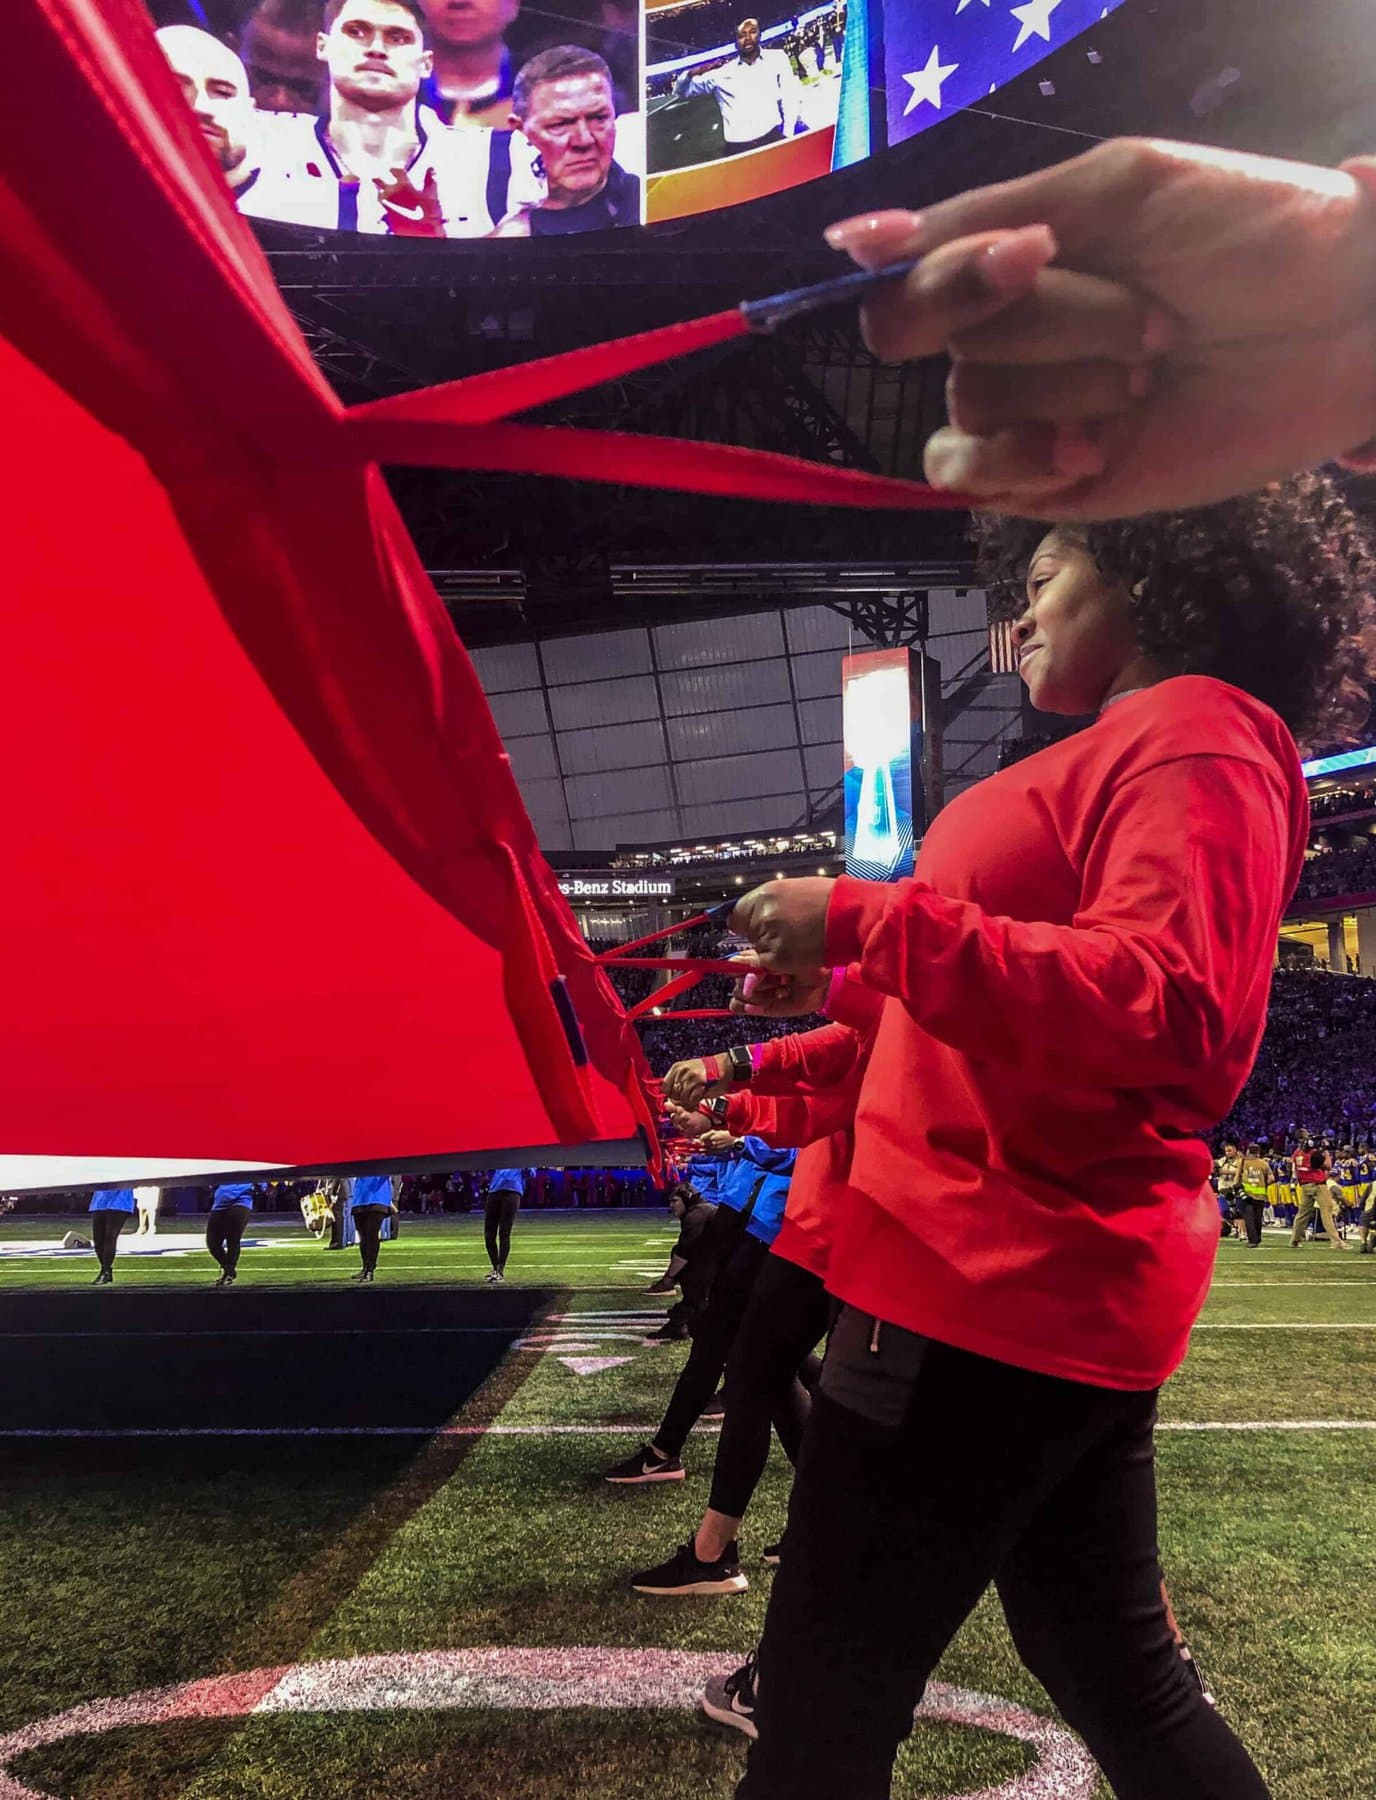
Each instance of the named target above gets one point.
<point>518,561</point>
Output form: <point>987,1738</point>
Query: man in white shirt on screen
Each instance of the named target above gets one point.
<point>758,95</point>
<point>377,160</point>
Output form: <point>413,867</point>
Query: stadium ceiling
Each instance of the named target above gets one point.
<point>519,558</point>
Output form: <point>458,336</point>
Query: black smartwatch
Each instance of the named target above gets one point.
<point>716,1110</point>
<point>741,1063</point>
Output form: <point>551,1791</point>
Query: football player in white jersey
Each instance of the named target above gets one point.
<point>378,161</point>
<point>216,87</point>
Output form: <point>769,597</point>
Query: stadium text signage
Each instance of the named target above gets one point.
<point>609,887</point>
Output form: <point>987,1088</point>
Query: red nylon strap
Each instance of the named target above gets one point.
<point>621,950</point>
<point>629,459</point>
<point>698,1012</point>
<point>704,965</point>
<point>501,393</point>
<point>668,991</point>
<point>457,425</point>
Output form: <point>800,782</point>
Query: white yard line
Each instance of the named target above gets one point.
<point>552,1430</point>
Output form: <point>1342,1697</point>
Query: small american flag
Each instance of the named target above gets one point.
<point>1003,657</point>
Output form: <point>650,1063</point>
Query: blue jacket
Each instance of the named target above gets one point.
<point>232,1193</point>
<point>372,1190</point>
<point>705,1173</point>
<point>507,1181</point>
<point>112,1200</point>
<point>755,1168</point>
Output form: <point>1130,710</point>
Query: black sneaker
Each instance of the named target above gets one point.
<point>684,1574</point>
<point>672,1331</point>
<point>730,1699</point>
<point>645,1466</point>
<point>715,1407</point>
<point>773,1554</point>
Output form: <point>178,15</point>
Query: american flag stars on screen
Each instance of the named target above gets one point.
<point>945,54</point>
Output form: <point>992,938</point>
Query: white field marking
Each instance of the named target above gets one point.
<point>1299,1281</point>
<point>592,1365</point>
<point>608,1312</point>
<point>1270,1425</point>
<point>705,1429</point>
<point>548,1340</point>
<point>360,1330</point>
<point>531,1680</point>
<point>1294,1325</point>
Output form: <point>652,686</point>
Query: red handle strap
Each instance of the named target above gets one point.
<point>457,425</point>
<point>704,965</point>
<point>713,916</point>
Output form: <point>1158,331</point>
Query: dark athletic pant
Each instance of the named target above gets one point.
<point>785,1319</point>
<point>499,1216</point>
<point>925,1474</point>
<point>713,1336</point>
<point>224,1232</point>
<point>1252,1210</point>
<point>368,1225</point>
<point>105,1230</point>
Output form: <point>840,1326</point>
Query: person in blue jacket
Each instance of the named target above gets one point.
<point>109,1208</point>
<point>704,1173</point>
<point>230,1211</point>
<point>752,1190</point>
<point>504,1192</point>
<point>372,1207</point>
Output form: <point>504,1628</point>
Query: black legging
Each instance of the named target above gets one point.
<point>785,1318</point>
<point>105,1230</point>
<point>368,1225</point>
<point>499,1215</point>
<point>926,1473</point>
<point>713,1336</point>
<point>224,1232</point>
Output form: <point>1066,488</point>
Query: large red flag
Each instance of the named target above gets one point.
<point>270,895</point>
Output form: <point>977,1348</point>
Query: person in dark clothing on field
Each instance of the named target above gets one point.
<point>692,1262</point>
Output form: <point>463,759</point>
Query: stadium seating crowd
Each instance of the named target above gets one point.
<point>1333,872</point>
<point>1316,1070</point>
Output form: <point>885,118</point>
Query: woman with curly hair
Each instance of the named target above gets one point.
<point>1075,986</point>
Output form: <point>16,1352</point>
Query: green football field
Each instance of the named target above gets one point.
<point>344,1543</point>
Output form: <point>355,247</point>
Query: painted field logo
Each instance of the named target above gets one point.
<point>524,1680</point>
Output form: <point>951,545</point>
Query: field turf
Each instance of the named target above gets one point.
<point>310,1472</point>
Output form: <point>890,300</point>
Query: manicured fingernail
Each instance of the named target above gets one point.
<point>1075,453</point>
<point>1014,261</point>
<point>876,238</point>
<point>1160,332</point>
<point>949,459</point>
<point>1141,380</point>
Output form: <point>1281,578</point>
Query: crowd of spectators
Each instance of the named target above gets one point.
<point>1329,873</point>
<point>1333,803</point>
<point>1316,1070</point>
<point>792,843</point>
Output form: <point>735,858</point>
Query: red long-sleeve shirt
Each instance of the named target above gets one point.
<point>1077,979</point>
<point>804,1092</point>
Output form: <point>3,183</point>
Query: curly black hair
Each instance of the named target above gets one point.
<point>1274,592</point>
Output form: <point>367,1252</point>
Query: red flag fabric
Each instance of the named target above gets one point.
<point>271,896</point>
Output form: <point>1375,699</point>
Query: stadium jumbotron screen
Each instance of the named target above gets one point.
<point>503,118</point>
